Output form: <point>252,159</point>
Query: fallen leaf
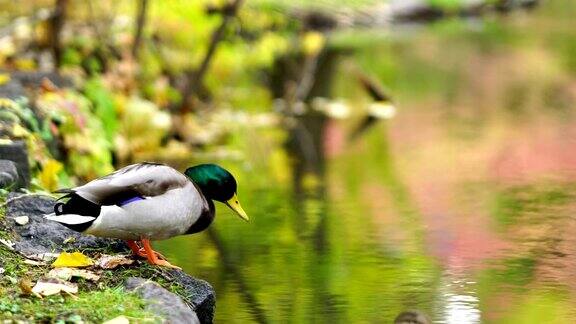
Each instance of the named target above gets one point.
<point>118,320</point>
<point>19,131</point>
<point>21,220</point>
<point>33,262</point>
<point>71,239</point>
<point>25,285</point>
<point>68,273</point>
<point>53,286</point>
<point>42,256</point>
<point>112,261</point>
<point>9,244</point>
<point>73,260</point>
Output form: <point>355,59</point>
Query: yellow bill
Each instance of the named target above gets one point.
<point>234,204</point>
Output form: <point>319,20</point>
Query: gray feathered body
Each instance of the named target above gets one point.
<point>141,201</point>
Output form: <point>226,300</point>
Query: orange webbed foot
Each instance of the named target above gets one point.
<point>152,256</point>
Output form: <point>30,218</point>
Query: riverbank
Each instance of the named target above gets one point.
<point>138,291</point>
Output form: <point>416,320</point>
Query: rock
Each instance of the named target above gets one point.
<point>199,293</point>
<point>12,90</point>
<point>412,317</point>
<point>17,153</point>
<point>162,302</point>
<point>41,236</point>
<point>8,174</point>
<point>34,79</point>
<point>22,220</point>
<point>21,80</point>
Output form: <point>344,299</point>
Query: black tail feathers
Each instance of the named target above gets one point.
<point>79,206</point>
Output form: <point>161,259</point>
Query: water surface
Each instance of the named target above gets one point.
<point>462,206</point>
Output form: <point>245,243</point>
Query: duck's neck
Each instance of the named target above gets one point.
<point>201,181</point>
<point>205,219</point>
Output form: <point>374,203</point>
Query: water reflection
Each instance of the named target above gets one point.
<point>458,300</point>
<point>461,206</point>
<point>234,274</point>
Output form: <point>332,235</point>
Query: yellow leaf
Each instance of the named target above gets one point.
<point>25,64</point>
<point>19,131</point>
<point>72,260</point>
<point>4,78</point>
<point>312,43</point>
<point>49,175</point>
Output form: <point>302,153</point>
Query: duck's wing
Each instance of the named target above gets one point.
<point>136,180</point>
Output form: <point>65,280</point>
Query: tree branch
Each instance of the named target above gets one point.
<point>195,78</point>
<point>140,22</point>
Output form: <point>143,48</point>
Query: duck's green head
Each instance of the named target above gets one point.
<point>217,184</point>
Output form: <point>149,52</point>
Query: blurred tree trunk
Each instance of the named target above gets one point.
<point>57,23</point>
<point>140,23</point>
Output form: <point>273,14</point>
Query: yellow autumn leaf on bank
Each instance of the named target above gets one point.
<point>49,175</point>
<point>72,260</point>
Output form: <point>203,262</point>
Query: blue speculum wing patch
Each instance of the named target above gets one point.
<point>130,200</point>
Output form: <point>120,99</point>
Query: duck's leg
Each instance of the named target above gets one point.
<point>136,249</point>
<point>158,254</point>
<point>153,258</point>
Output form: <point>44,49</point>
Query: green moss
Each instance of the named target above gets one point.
<point>94,306</point>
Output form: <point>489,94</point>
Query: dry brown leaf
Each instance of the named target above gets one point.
<point>73,260</point>
<point>113,261</point>
<point>68,273</point>
<point>53,286</point>
<point>25,286</point>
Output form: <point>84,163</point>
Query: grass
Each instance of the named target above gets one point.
<point>95,302</point>
<point>92,306</point>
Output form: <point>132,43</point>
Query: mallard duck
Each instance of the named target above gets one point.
<point>148,201</point>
